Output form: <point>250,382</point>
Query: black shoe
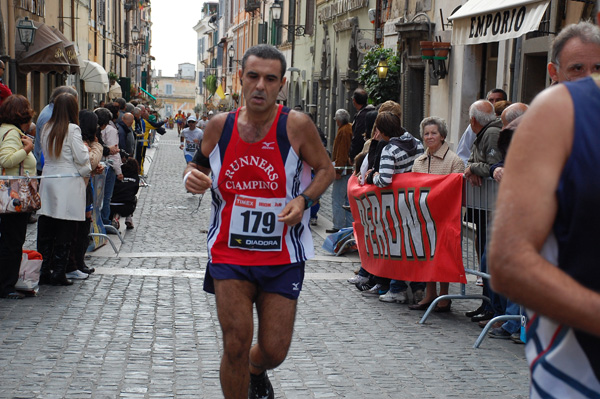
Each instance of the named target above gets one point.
<point>475,312</point>
<point>331,231</point>
<point>87,270</point>
<point>60,280</point>
<point>365,286</point>
<point>260,387</point>
<point>487,315</point>
<point>499,333</point>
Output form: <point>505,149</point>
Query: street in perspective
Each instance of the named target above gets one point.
<point>142,326</point>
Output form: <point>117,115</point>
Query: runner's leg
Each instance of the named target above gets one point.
<point>276,315</point>
<point>234,308</point>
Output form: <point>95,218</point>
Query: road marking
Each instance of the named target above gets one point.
<point>195,274</point>
<point>349,258</point>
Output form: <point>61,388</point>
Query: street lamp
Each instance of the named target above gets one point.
<point>26,30</point>
<point>276,15</point>
<point>276,11</point>
<point>144,59</point>
<point>135,34</point>
<point>382,69</point>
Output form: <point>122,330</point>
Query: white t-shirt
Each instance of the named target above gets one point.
<point>191,138</point>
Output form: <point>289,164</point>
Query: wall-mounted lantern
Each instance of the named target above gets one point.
<point>26,30</point>
<point>382,69</point>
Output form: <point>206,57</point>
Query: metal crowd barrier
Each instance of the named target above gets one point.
<point>478,209</point>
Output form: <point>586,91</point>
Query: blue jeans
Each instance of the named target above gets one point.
<point>108,190</point>
<point>339,196</point>
<point>512,326</point>
<point>314,210</point>
<point>397,286</point>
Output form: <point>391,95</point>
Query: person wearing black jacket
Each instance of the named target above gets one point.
<point>124,197</point>
<point>126,136</point>
<point>359,100</point>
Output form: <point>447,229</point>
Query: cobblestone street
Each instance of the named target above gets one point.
<point>142,327</point>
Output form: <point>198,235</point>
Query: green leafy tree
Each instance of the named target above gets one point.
<point>380,90</point>
<point>211,83</point>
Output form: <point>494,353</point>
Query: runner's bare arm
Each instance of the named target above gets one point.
<point>525,212</point>
<point>198,180</point>
<point>305,140</point>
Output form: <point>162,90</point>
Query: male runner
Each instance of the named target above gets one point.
<point>546,229</point>
<point>190,138</point>
<point>260,157</point>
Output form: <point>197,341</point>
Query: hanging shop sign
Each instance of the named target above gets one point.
<point>340,7</point>
<point>484,21</point>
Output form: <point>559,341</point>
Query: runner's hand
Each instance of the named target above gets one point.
<point>293,212</point>
<point>197,182</point>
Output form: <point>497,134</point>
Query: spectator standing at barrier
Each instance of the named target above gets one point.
<point>44,117</point>
<point>4,89</point>
<point>257,271</point>
<point>138,131</point>
<point>438,160</point>
<point>191,137</point>
<point>339,194</point>
<point>15,148</point>
<point>126,135</point>
<point>397,156</point>
<point>363,280</point>
<point>121,104</point>
<point>63,199</point>
<point>463,150</point>
<point>359,101</point>
<point>76,267</point>
<point>110,136</point>
<point>548,220</point>
<point>124,198</point>
<point>484,154</point>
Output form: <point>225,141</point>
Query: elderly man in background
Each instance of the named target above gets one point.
<point>339,195</point>
<point>484,153</point>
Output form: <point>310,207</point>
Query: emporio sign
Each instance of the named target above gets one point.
<point>483,21</point>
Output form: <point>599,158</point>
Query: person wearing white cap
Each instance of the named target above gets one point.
<point>190,138</point>
<point>210,115</point>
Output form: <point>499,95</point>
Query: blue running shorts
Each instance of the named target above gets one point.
<point>285,280</point>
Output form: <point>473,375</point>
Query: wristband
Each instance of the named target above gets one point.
<point>185,177</point>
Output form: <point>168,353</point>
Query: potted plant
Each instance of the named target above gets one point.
<point>112,77</point>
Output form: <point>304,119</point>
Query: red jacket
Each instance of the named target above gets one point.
<point>4,92</point>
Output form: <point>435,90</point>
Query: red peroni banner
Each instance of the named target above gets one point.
<point>410,230</point>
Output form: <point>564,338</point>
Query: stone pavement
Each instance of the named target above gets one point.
<point>142,327</point>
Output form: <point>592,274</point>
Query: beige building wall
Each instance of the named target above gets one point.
<point>176,94</point>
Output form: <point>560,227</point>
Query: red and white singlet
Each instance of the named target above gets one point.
<point>252,183</point>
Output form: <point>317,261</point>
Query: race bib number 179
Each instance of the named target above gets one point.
<point>254,224</point>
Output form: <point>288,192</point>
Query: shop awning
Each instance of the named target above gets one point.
<point>484,21</point>
<point>46,54</point>
<point>70,51</point>
<point>115,91</point>
<point>95,77</point>
<point>148,94</point>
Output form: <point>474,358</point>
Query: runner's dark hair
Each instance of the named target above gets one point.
<point>267,52</point>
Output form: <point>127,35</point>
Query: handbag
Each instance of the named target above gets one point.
<point>19,195</point>
<point>29,272</point>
